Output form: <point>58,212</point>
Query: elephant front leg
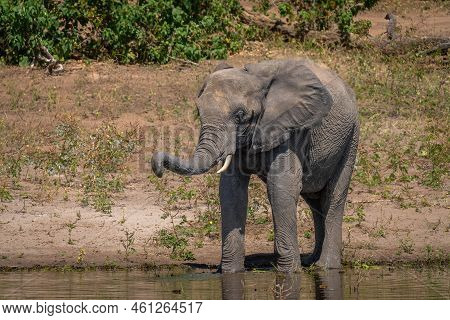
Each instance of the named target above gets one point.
<point>233,201</point>
<point>283,188</point>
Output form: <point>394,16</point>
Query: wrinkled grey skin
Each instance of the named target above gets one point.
<point>292,123</point>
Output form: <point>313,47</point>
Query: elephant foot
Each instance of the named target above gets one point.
<point>329,262</point>
<point>222,269</point>
<point>288,265</point>
<point>308,260</point>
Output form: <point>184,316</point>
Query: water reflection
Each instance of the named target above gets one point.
<point>328,286</point>
<point>382,283</point>
<point>233,286</point>
<point>287,286</point>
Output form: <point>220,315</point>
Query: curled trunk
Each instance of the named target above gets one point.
<point>199,163</point>
<point>207,153</point>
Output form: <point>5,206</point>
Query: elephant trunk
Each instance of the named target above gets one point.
<point>199,163</point>
<point>208,152</point>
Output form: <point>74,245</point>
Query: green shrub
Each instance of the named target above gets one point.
<point>103,161</point>
<point>126,31</point>
<point>24,25</point>
<point>5,195</point>
<point>322,14</point>
<point>178,243</point>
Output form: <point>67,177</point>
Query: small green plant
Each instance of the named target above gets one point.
<point>5,195</point>
<point>81,256</point>
<point>358,216</point>
<point>177,242</point>
<point>379,233</point>
<point>209,224</point>
<point>70,226</point>
<point>122,220</point>
<point>108,150</point>
<point>98,192</point>
<point>128,243</point>
<point>262,219</point>
<point>362,265</point>
<point>284,9</point>
<point>436,255</point>
<point>96,158</point>
<point>367,169</point>
<point>307,234</point>
<point>66,156</point>
<point>407,245</point>
<point>177,237</point>
<point>399,165</point>
<point>258,208</point>
<point>182,193</point>
<point>262,6</point>
<point>438,154</point>
<point>429,252</point>
<point>361,27</point>
<point>270,235</point>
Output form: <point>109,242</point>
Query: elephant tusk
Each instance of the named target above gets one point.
<point>226,165</point>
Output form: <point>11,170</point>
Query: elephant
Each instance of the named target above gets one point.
<point>294,124</point>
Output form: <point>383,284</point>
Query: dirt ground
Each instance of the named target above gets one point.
<point>414,17</point>
<point>47,225</point>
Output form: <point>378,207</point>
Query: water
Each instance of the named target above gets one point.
<point>380,283</point>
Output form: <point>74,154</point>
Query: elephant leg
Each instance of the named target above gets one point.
<point>319,231</point>
<point>233,201</point>
<point>332,206</point>
<point>284,181</point>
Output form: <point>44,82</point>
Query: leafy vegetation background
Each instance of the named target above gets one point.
<point>153,31</point>
<point>126,31</point>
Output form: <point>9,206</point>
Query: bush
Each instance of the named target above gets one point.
<point>322,14</point>
<point>126,31</point>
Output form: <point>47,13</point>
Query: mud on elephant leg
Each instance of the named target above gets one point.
<point>283,188</point>
<point>233,200</point>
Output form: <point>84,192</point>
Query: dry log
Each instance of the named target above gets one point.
<point>44,58</point>
<point>443,48</point>
<point>266,22</point>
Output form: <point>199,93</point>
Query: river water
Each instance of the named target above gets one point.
<point>380,283</point>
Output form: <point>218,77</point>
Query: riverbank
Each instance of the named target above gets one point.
<point>76,189</point>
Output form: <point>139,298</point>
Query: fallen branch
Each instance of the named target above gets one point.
<point>184,61</point>
<point>44,58</point>
<point>370,201</point>
<point>403,45</point>
<point>266,22</point>
<point>443,48</point>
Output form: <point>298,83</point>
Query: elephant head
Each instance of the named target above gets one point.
<point>254,108</point>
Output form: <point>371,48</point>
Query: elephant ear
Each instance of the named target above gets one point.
<point>294,99</point>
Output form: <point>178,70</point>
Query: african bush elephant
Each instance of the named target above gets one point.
<point>295,125</point>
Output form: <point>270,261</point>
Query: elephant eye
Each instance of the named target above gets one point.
<point>239,115</point>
